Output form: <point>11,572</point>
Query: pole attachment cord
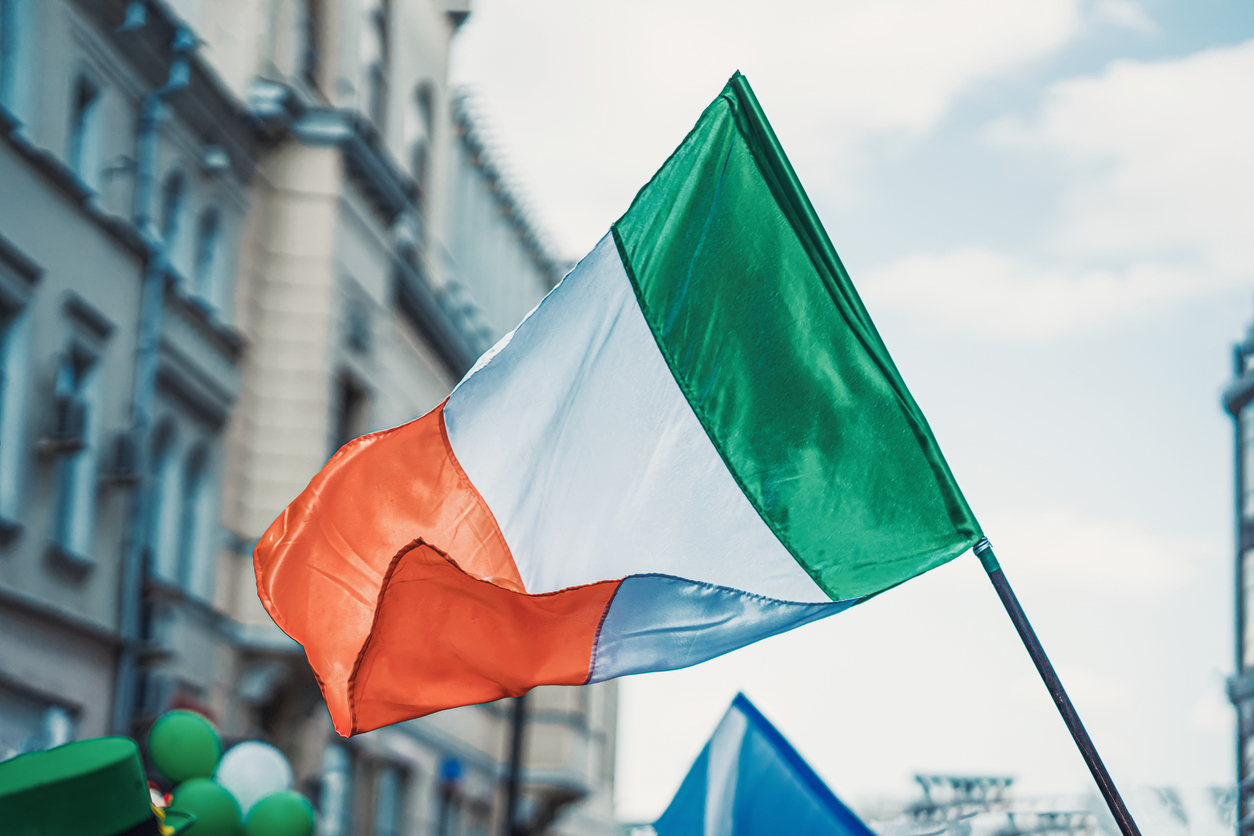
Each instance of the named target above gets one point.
<point>984,551</point>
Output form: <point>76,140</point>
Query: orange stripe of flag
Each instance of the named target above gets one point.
<point>321,565</point>
<point>442,638</point>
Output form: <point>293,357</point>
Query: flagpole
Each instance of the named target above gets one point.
<point>984,551</point>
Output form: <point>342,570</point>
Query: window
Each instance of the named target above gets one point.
<point>83,153</point>
<point>352,406</point>
<point>193,519</point>
<point>449,813</point>
<point>73,432</point>
<point>311,40</point>
<point>163,512</point>
<point>389,786</point>
<point>16,40</point>
<point>335,797</point>
<point>181,518</point>
<point>172,191</point>
<point>29,723</point>
<point>1247,560</point>
<point>1247,460</point>
<point>477,818</point>
<point>375,55</point>
<point>8,45</point>
<point>357,333</point>
<point>13,368</point>
<point>204,270</point>
<point>418,129</point>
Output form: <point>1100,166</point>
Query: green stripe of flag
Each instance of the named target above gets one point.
<point>771,345</point>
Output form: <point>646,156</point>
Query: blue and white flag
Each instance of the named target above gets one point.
<point>748,781</point>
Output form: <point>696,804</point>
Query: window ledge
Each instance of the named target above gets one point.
<point>71,565</point>
<point>49,165</point>
<point>1245,534</point>
<point>1239,393</point>
<point>10,531</point>
<point>203,312</point>
<point>171,592</point>
<point>8,120</point>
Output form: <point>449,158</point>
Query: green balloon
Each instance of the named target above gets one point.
<point>215,809</point>
<point>284,813</point>
<point>183,745</point>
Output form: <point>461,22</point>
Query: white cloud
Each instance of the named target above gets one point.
<point>1160,153</point>
<point>992,294</point>
<point>1125,14</point>
<point>1160,185</point>
<point>899,65</point>
<point>622,84</point>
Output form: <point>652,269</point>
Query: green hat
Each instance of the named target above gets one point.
<point>90,788</point>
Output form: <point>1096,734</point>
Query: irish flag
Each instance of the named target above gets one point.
<point>696,441</point>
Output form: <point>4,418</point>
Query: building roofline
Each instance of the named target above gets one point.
<point>487,159</point>
<point>208,106</point>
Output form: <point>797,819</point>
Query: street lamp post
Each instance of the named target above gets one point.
<point>1238,400</point>
<point>518,717</point>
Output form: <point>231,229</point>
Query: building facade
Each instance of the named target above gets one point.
<point>497,260</point>
<point>1238,400</point>
<point>124,172</point>
<point>234,235</point>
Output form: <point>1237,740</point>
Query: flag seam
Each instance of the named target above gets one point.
<point>704,421</point>
<point>343,451</point>
<point>596,645</point>
<point>596,639</point>
<point>365,645</point>
<point>461,474</point>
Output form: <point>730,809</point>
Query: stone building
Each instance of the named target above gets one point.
<point>1238,400</point>
<point>382,254</point>
<point>235,234</point>
<point>124,171</point>
<point>497,260</point>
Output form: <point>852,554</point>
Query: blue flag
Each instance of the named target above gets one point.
<point>748,781</point>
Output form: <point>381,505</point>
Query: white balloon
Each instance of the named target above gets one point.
<point>252,770</point>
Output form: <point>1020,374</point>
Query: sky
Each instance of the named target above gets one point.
<point>1046,206</point>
